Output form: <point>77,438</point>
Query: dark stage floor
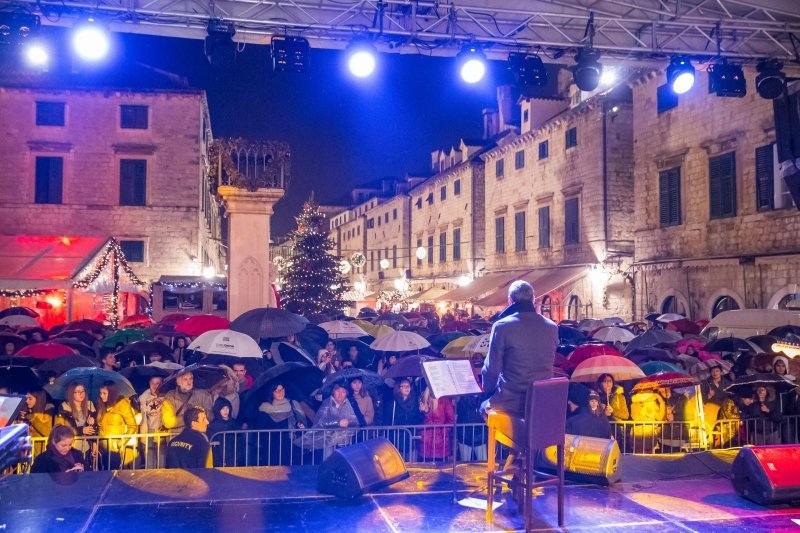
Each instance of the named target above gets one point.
<point>690,493</point>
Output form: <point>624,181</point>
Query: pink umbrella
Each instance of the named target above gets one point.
<point>685,343</point>
<point>617,366</point>
<point>199,324</point>
<point>587,351</point>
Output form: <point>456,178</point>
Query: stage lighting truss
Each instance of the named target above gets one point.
<point>528,70</point>
<point>680,74</point>
<point>471,63</point>
<point>726,79</point>
<point>219,46</point>
<point>771,81</point>
<point>290,54</point>
<point>587,70</point>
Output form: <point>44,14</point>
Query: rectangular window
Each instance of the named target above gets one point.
<point>457,188</point>
<point>667,99</point>
<point>394,256</point>
<point>544,150</point>
<point>419,245</point>
<point>499,168</point>
<point>358,230</point>
<point>386,218</point>
<point>133,117</point>
<point>133,251</point>
<point>430,249</point>
<point>519,159</point>
<point>419,202</point>
<point>525,116</point>
<point>519,231</point>
<point>544,227</point>
<point>429,199</point>
<point>49,179</point>
<point>669,197</point>
<point>457,244</point>
<point>571,138</point>
<point>394,214</point>
<point>571,222</point>
<point>500,235</point>
<point>379,220</point>
<point>132,181</point>
<point>443,193</point>
<point>370,223</point>
<point>722,185</point>
<point>442,247</point>
<point>50,113</point>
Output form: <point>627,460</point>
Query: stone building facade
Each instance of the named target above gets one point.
<point>386,248</point>
<point>715,228</point>
<point>123,163</point>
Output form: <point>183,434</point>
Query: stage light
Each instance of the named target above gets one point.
<point>726,80</point>
<point>471,63</point>
<point>608,77</point>
<point>90,40</point>
<point>528,71</point>
<point>361,58</point>
<point>219,46</point>
<point>209,272</point>
<point>16,28</point>
<point>587,70</point>
<point>37,53</point>
<point>771,81</point>
<point>680,74</point>
<point>290,54</point>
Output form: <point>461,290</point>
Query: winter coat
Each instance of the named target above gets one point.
<point>65,417</point>
<point>175,404</point>
<point>436,441</point>
<point>618,403</point>
<point>399,412</point>
<point>584,422</point>
<point>367,408</point>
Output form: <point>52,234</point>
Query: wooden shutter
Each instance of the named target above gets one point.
<point>669,197</point>
<point>765,184</point>
<point>544,227</point>
<point>519,231</point>
<point>457,244</point>
<point>728,184</point>
<point>571,227</point>
<point>499,235</point>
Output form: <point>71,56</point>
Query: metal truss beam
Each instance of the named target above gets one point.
<point>626,29</point>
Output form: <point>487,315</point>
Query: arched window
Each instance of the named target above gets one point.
<point>673,305</point>
<point>790,301</point>
<point>724,303</point>
<point>574,307</point>
<point>547,307</point>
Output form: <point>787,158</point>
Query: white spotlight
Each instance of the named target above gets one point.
<point>91,41</point>
<point>472,64</point>
<point>361,58</point>
<point>608,77</point>
<point>37,54</point>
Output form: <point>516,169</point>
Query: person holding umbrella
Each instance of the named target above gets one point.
<point>612,398</point>
<point>178,400</point>
<point>277,412</point>
<point>762,416</point>
<point>77,411</point>
<point>335,412</point>
<point>115,417</point>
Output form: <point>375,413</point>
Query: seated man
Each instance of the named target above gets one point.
<point>190,449</point>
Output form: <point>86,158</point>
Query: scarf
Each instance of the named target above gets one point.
<point>518,307</point>
<point>278,410</point>
<point>65,462</point>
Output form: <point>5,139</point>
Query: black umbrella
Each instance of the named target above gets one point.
<point>17,340</point>
<point>269,322</point>
<point>570,335</point>
<point>744,386</point>
<point>652,317</point>
<point>651,338</point>
<point>366,355</point>
<point>642,355</point>
<point>77,345</point>
<point>409,366</point>
<point>288,353</point>
<point>313,338</point>
<point>764,342</point>
<point>205,377</point>
<point>783,331</point>
<point>163,330</point>
<point>59,365</point>
<point>77,334</point>
<point>140,376</point>
<point>440,340</point>
<point>140,351</point>
<point>367,312</point>
<point>24,311</point>
<point>371,380</point>
<point>299,380</point>
<point>23,360</point>
<point>28,333</point>
<point>19,379</point>
<point>732,344</point>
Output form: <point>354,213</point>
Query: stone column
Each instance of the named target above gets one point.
<point>249,276</point>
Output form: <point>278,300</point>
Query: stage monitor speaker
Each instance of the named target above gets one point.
<point>350,472</point>
<point>767,474</point>
<point>586,459</point>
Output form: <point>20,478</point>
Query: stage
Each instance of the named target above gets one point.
<point>668,493</point>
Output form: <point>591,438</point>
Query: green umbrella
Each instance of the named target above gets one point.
<point>122,337</point>
<point>653,367</point>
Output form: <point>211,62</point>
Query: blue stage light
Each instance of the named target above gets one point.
<point>91,41</point>
<point>471,64</point>
<point>37,53</point>
<point>362,58</point>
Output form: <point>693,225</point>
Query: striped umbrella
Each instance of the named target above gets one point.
<point>664,379</point>
<point>619,367</point>
<point>702,370</point>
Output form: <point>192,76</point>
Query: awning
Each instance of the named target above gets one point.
<point>44,262</point>
<point>482,286</point>
<point>434,294</point>
<point>544,281</point>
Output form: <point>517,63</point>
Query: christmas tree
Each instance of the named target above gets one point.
<point>313,285</point>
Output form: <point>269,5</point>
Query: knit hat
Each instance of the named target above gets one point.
<point>592,396</point>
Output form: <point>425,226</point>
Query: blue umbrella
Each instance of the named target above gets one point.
<point>653,367</point>
<point>92,379</point>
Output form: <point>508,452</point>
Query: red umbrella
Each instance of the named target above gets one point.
<point>46,350</point>
<point>684,326</point>
<point>199,324</point>
<point>587,351</point>
<point>136,320</point>
<point>664,379</point>
<point>456,325</point>
<point>85,325</point>
<point>173,318</point>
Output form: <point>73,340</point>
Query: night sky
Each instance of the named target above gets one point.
<point>342,130</point>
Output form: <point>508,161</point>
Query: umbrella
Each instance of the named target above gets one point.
<point>684,326</point>
<point>391,319</point>
<point>642,355</point>
<point>455,348</point>
<point>619,367</point>
<point>587,351</point>
<point>86,324</point>
<point>783,331</point>
<point>163,330</point>
<point>764,342</point>
<point>370,379</point>
<point>409,366</point>
<point>367,312</point>
<point>205,376</point>
<point>653,337</point>
<point>19,361</point>
<point>147,348</point>
<point>136,320</point>
<point>440,340</point>
<point>59,365</point>
<point>26,311</point>
<point>702,370</point>
<point>363,324</point>
<point>613,334</point>
<point>173,318</point>
<point>19,379</point>
<point>570,335</point>
<point>744,386</point>
<point>340,329</point>
<point>76,334</point>
<point>670,317</point>
<point>313,338</point>
<point>77,345</point>
<point>687,361</point>
<point>140,375</point>
<point>268,322</point>
<point>478,344</point>
<point>299,380</point>
<point>381,331</point>
<point>121,337</point>
<point>613,321</point>
<point>366,355</point>
<point>662,380</point>
<point>19,321</point>
<point>92,379</point>
<point>588,324</point>
<point>400,341</point>
<point>456,325</point>
<point>288,353</point>
<point>685,343</point>
<point>480,324</point>
<point>17,340</point>
<point>654,367</point>
<point>226,342</point>
<point>652,317</point>
<point>199,324</point>
<point>732,344</point>
<point>45,350</point>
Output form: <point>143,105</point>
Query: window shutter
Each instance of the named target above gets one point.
<point>571,227</point>
<point>663,198</point>
<point>728,184</point>
<point>715,188</point>
<point>544,227</point>
<point>56,170</point>
<point>675,196</point>
<point>765,184</point>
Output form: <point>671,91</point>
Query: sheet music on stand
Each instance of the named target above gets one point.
<point>450,378</point>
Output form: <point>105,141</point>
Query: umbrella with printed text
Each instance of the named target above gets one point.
<point>409,366</point>
<point>92,379</point>
<point>45,350</point>
<point>17,310</point>
<point>479,344</point>
<point>269,323</point>
<point>622,369</point>
<point>140,320</point>
<point>664,380</point>
<point>199,324</point>
<point>61,364</point>
<point>400,341</point>
<point>227,342</point>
